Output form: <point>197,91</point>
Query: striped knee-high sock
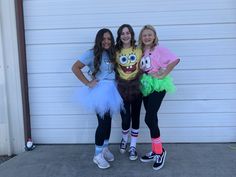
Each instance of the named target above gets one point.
<point>157,145</point>
<point>134,137</point>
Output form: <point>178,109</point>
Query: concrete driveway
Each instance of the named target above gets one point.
<point>183,160</point>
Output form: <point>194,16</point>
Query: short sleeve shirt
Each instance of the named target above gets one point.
<point>158,58</point>
<point>106,68</point>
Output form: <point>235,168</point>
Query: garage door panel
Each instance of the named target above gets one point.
<point>182,32</point>
<point>180,77</point>
<point>183,92</point>
<point>204,134</point>
<point>194,106</point>
<point>194,120</point>
<point>187,62</point>
<point>71,7</point>
<point>200,32</point>
<point>155,18</point>
<point>220,47</point>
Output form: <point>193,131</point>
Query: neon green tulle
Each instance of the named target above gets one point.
<point>150,84</point>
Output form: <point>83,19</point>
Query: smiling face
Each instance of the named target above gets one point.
<point>127,63</point>
<point>148,37</point>
<point>106,41</point>
<point>125,37</point>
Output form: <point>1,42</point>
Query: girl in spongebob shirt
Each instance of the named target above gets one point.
<point>157,62</point>
<point>128,56</point>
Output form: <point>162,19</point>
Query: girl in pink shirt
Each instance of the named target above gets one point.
<point>157,62</point>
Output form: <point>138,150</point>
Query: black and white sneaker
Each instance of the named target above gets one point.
<point>160,160</point>
<point>123,146</point>
<point>132,153</point>
<point>151,156</point>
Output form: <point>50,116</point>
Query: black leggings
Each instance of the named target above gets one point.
<point>103,129</point>
<point>152,104</point>
<point>132,112</point>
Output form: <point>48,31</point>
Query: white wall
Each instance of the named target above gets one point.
<point>4,124</point>
<point>11,117</point>
<point>201,32</point>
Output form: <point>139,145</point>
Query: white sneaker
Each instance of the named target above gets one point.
<point>108,155</point>
<point>100,161</point>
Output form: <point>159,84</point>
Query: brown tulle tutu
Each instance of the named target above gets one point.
<point>129,89</point>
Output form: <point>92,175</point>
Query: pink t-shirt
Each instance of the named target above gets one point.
<point>153,61</point>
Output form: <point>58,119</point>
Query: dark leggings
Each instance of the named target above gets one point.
<point>103,129</point>
<point>132,112</point>
<point>152,104</point>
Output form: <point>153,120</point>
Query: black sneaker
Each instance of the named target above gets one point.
<point>123,146</point>
<point>132,153</point>
<point>151,156</point>
<point>160,160</point>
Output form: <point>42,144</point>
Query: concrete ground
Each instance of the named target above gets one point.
<point>183,160</point>
<point>4,158</point>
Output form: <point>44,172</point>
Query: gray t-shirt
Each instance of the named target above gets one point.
<point>106,68</point>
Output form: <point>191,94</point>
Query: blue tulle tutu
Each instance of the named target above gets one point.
<point>102,98</point>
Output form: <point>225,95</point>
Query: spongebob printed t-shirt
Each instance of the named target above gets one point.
<point>128,62</point>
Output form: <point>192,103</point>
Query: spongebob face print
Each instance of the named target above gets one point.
<point>127,62</point>
<point>145,64</point>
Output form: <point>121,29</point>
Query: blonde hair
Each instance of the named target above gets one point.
<point>147,27</point>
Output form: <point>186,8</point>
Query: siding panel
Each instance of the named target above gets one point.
<point>115,19</point>
<point>201,134</point>
<point>217,76</point>
<point>72,7</point>
<point>187,63</point>
<point>184,48</point>
<point>166,120</point>
<point>186,106</point>
<point>183,92</point>
<point>181,32</point>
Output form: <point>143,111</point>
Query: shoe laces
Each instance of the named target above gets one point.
<point>102,160</point>
<point>132,150</point>
<point>158,158</point>
<point>107,152</point>
<point>123,144</point>
<point>149,154</point>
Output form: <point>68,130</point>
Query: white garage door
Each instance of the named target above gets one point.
<point>201,32</point>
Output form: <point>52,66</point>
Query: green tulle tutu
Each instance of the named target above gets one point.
<point>150,84</point>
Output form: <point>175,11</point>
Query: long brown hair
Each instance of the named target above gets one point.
<point>119,43</point>
<point>98,49</point>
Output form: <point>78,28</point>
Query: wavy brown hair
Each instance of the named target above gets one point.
<point>98,49</point>
<point>119,43</point>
